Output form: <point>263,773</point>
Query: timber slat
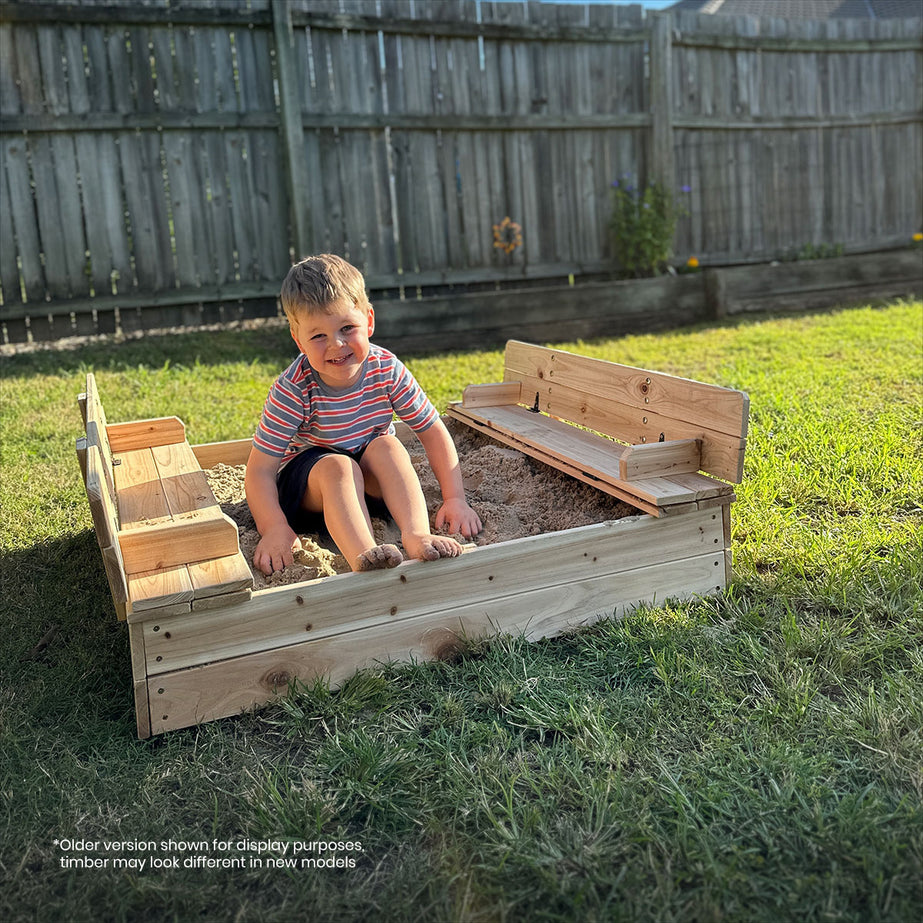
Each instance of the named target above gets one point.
<point>97,433</point>
<point>141,498</point>
<point>634,405</point>
<point>156,589</point>
<point>661,458</point>
<point>279,616</point>
<point>220,576</point>
<point>226,687</point>
<point>717,408</point>
<point>596,459</point>
<point>106,525</point>
<point>234,452</point>
<point>143,434</point>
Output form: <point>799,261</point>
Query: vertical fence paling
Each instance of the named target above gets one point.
<point>786,131</point>
<point>161,165</point>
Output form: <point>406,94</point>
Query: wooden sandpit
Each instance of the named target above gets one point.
<point>577,527</point>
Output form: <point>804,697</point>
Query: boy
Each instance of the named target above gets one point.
<point>326,437</point>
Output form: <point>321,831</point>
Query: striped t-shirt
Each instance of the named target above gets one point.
<point>301,411</point>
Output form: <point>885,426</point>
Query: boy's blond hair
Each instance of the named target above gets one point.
<point>316,283</point>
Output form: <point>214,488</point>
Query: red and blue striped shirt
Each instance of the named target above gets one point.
<point>301,411</point>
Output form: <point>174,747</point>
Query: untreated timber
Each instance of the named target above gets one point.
<point>227,687</point>
<point>584,455</point>
<point>660,459</point>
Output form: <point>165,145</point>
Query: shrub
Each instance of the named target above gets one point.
<point>642,225</point>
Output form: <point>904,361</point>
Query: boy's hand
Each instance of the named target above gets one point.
<point>275,549</point>
<point>455,516</point>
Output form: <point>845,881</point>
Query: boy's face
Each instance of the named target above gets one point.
<point>336,343</point>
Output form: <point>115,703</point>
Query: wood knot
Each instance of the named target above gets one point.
<point>443,644</point>
<point>277,679</point>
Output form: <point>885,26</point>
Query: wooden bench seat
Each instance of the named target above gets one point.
<point>679,441</point>
<point>167,547</point>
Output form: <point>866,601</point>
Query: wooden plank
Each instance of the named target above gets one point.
<point>187,196</point>
<point>140,493</point>
<point>555,441</point>
<point>711,406</point>
<point>136,161</point>
<point>143,505</point>
<point>220,576</point>
<point>217,207</point>
<point>158,547</point>
<point>492,395</point>
<point>105,519</point>
<point>657,459</point>
<point>171,522</point>
<point>292,131</point>
<point>106,525</point>
<point>635,405</point>
<point>97,434</point>
<point>9,269</point>
<point>234,452</point>
<point>728,554</point>
<point>227,687</point>
<point>81,449</point>
<point>661,102</point>
<point>184,483</point>
<point>190,497</point>
<point>222,601</point>
<point>15,160</point>
<point>158,588</point>
<point>139,682</point>
<point>143,434</point>
<point>623,492</point>
<point>288,615</point>
<point>114,565</point>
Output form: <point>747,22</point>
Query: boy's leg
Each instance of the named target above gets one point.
<point>336,488</point>
<point>389,474</point>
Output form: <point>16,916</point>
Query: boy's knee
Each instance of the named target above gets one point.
<point>335,467</point>
<point>384,447</point>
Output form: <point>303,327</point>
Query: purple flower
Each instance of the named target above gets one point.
<point>686,188</point>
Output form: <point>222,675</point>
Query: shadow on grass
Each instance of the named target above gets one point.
<point>65,655</point>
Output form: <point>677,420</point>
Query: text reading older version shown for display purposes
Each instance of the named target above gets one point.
<point>144,855</point>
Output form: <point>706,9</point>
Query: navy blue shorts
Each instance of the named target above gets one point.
<point>292,482</point>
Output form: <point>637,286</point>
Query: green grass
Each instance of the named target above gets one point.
<point>757,756</point>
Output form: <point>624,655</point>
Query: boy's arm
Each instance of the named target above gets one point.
<point>277,540</point>
<point>454,514</point>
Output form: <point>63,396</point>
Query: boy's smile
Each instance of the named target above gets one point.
<point>336,344</point>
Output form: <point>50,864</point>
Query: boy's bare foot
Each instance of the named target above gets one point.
<point>432,547</point>
<point>379,557</point>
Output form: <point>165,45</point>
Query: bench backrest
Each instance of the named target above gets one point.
<point>633,405</point>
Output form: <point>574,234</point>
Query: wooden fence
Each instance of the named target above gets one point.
<point>162,162</point>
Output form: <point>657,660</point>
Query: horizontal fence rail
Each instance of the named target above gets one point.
<point>162,163</point>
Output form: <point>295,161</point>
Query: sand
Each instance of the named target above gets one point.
<point>514,496</point>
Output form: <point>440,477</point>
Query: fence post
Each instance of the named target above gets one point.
<point>663,169</point>
<point>292,128</point>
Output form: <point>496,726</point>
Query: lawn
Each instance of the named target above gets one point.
<point>756,756</point>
